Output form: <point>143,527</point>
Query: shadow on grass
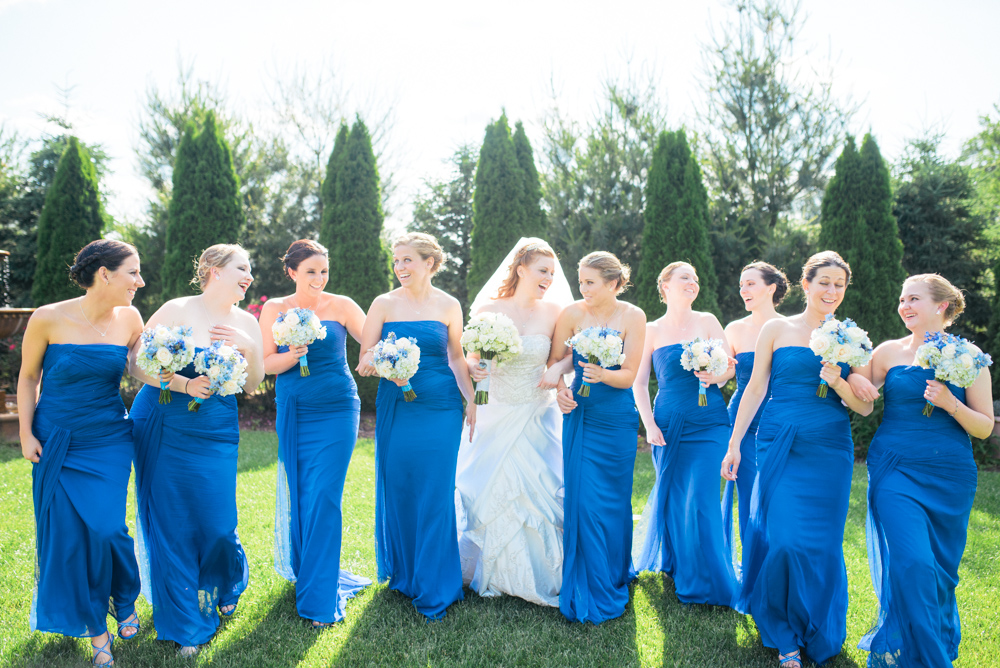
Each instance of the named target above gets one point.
<point>10,451</point>
<point>258,450</point>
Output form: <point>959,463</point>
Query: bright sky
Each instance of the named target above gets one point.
<point>449,67</point>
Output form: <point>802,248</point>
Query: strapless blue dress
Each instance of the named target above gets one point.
<point>85,557</point>
<point>416,452</point>
<point>748,450</point>
<point>599,446</point>
<point>794,576</point>
<point>185,476</point>
<point>317,428</point>
<point>681,532</point>
<point>921,485</point>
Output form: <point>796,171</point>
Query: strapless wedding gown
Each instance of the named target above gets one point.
<point>510,485</point>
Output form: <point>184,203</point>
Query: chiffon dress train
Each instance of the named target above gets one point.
<point>317,426</point>
<point>599,447</point>
<point>84,555</point>
<point>510,487</point>
<point>921,485</point>
<point>416,449</point>
<point>190,556</point>
<point>681,531</point>
<point>748,451</point>
<point>794,576</point>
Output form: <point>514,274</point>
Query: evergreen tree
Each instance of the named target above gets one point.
<point>498,215</point>
<point>676,224</point>
<point>71,218</point>
<point>535,224</point>
<point>842,222</point>
<point>359,261</point>
<point>329,234</point>
<point>205,206</point>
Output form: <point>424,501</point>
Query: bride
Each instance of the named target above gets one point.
<point>510,479</point>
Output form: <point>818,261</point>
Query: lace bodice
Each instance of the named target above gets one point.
<point>516,380</point>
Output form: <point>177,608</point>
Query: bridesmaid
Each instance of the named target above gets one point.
<point>922,481</point>
<point>682,521</point>
<point>79,438</point>
<point>185,463</point>
<point>600,434</point>
<point>762,287</point>
<point>317,428</point>
<point>794,576</point>
<point>416,443</point>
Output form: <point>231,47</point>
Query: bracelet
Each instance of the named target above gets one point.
<point>186,385</point>
<point>952,413</point>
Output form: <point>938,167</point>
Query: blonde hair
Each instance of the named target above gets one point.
<point>942,290</point>
<point>666,273</point>
<point>610,268</point>
<point>525,255</point>
<point>425,245</point>
<point>214,257</point>
<point>822,259</point>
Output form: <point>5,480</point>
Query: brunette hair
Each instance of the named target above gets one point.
<point>214,257</point>
<point>301,250</point>
<point>822,259</point>
<point>774,276</point>
<point>942,290</point>
<point>610,267</point>
<point>425,245</point>
<point>665,275</point>
<point>525,255</point>
<point>106,253</point>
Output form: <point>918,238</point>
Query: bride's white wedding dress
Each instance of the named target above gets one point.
<point>510,485</point>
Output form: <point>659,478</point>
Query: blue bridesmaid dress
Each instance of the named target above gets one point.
<point>185,476</point>
<point>921,484</point>
<point>599,446</point>
<point>748,450</point>
<point>317,427</point>
<point>681,532</point>
<point>85,557</point>
<point>794,576</point>
<point>416,452</point>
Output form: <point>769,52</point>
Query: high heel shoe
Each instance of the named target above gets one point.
<point>103,649</point>
<point>131,623</point>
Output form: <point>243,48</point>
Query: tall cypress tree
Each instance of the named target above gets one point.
<point>842,225</point>
<point>359,261</point>
<point>675,224</point>
<point>535,224</point>
<point>329,235</point>
<point>498,204</point>
<point>205,205</point>
<point>71,218</point>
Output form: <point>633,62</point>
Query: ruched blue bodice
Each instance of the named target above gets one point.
<point>679,390</point>
<point>85,556</point>
<point>333,384</point>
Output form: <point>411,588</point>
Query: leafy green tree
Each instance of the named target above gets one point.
<point>676,224</point>
<point>445,210</point>
<point>498,204</point>
<point>331,231</point>
<point>73,216</point>
<point>204,206</point>
<point>535,223</point>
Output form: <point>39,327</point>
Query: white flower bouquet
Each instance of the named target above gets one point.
<point>600,345</point>
<point>953,359</point>
<point>163,349</point>
<point>493,336</point>
<point>397,359</point>
<point>225,367</point>
<point>298,327</point>
<point>835,342</point>
<point>704,355</point>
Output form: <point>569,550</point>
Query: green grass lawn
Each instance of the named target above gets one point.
<point>383,629</point>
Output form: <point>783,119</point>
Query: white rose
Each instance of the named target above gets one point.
<point>830,326</point>
<point>819,345</point>
<point>856,334</point>
<point>842,353</point>
<point>213,372</point>
<point>164,357</point>
<point>291,319</point>
<point>703,360</point>
<point>162,335</point>
<point>230,387</point>
<point>949,351</point>
<point>226,351</point>
<point>966,360</point>
<point>697,348</point>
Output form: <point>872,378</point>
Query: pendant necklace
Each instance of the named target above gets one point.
<point>104,333</point>
<point>411,304</point>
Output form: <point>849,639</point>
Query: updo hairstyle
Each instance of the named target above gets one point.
<point>665,275</point>
<point>214,257</point>
<point>774,276</point>
<point>610,268</point>
<point>425,245</point>
<point>299,251</point>
<point>941,290</point>
<point>525,255</point>
<point>822,259</point>
<point>106,253</point>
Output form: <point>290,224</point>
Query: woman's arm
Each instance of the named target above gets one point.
<point>456,360</point>
<point>254,352</point>
<point>975,415</point>
<point>635,336</point>
<point>33,346</point>
<point>371,333</point>
<point>640,388</point>
<point>275,362</point>
<point>559,351</point>
<point>354,317</point>
<point>831,374</point>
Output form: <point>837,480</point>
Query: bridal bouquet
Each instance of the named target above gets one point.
<point>493,336</point>
<point>835,342</point>
<point>600,345</point>
<point>953,359</point>
<point>397,359</point>
<point>298,327</point>
<point>163,349</point>
<point>704,355</point>
<point>225,367</point>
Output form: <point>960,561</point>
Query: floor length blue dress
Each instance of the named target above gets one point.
<point>921,485</point>
<point>85,557</point>
<point>317,428</point>
<point>416,452</point>
<point>748,450</point>
<point>190,556</point>
<point>681,531</point>
<point>794,576</point>
<point>599,446</point>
